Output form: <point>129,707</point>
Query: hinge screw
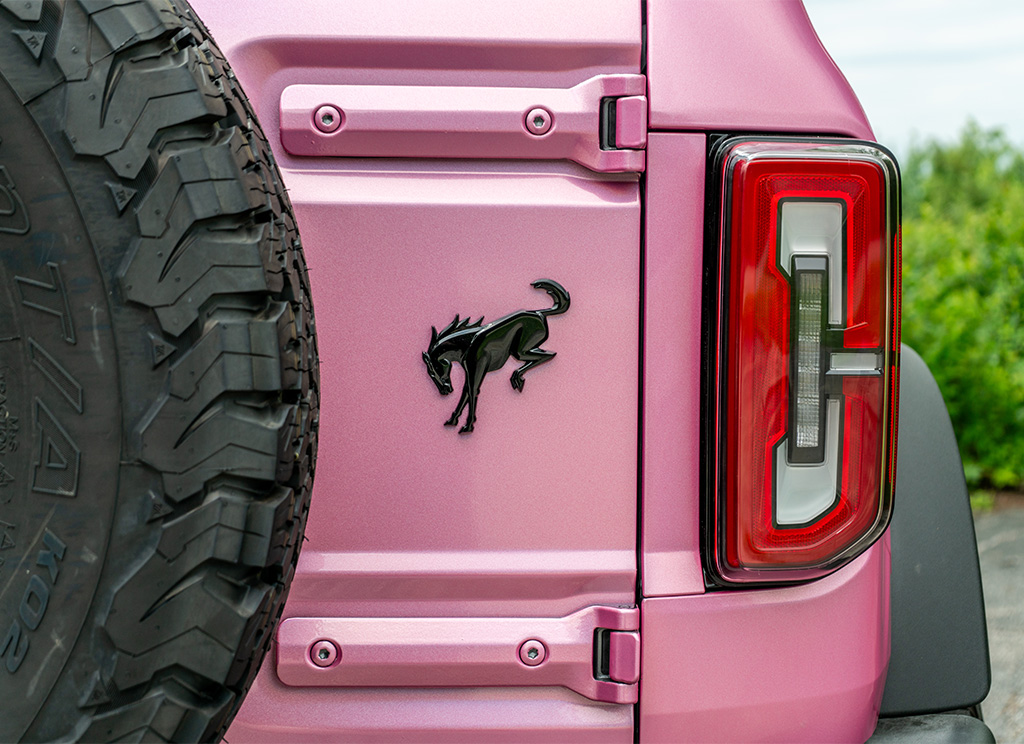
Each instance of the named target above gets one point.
<point>532,653</point>
<point>327,119</point>
<point>324,654</point>
<point>538,121</point>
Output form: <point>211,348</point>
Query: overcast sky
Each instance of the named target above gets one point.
<point>922,67</point>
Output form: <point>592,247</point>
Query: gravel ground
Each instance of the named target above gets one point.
<point>1001,549</point>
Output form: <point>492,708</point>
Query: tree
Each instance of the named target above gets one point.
<point>963,282</point>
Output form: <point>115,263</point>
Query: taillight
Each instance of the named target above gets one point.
<point>807,356</point>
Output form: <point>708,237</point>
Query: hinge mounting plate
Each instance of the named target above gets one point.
<point>422,121</point>
<point>468,652</point>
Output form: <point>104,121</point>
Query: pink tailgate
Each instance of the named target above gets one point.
<point>529,520</point>
<point>438,562</point>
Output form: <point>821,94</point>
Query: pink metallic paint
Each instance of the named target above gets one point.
<point>470,582</point>
<point>751,66</point>
<point>670,562</point>
<point>631,122</point>
<point>465,652</point>
<point>390,533</point>
<point>369,213</point>
<point>624,657</point>
<point>795,664</point>
<point>530,43</point>
<point>462,121</point>
<point>409,519</point>
<point>273,714</point>
<point>414,251</point>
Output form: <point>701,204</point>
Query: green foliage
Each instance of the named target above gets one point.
<point>963,291</point>
<point>982,501</point>
<point>968,175</point>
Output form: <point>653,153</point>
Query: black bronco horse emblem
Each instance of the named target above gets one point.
<point>485,348</point>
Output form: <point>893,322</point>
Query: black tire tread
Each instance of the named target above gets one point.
<point>218,270</point>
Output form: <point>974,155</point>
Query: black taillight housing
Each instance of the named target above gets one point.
<point>804,347</point>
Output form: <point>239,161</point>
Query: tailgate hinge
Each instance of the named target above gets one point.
<point>617,655</point>
<point>600,123</point>
<point>594,652</point>
<point>624,123</point>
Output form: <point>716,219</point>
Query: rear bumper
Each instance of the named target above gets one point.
<point>797,664</point>
<point>956,727</point>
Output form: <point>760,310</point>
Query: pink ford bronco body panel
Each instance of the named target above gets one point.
<point>436,559</point>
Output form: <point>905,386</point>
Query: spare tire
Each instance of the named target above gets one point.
<point>158,377</point>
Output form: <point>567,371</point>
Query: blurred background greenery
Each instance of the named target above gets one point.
<point>963,292</point>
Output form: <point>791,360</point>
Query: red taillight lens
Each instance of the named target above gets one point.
<point>808,319</point>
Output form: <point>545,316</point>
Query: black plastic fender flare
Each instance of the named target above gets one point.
<point>940,658</point>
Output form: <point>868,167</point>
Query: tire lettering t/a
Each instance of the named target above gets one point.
<point>58,459</point>
<point>49,297</point>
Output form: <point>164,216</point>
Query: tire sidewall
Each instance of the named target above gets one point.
<point>157,416</point>
<point>62,427</point>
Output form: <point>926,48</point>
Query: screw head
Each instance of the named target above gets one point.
<point>532,653</point>
<point>328,119</point>
<point>324,654</point>
<point>538,121</point>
